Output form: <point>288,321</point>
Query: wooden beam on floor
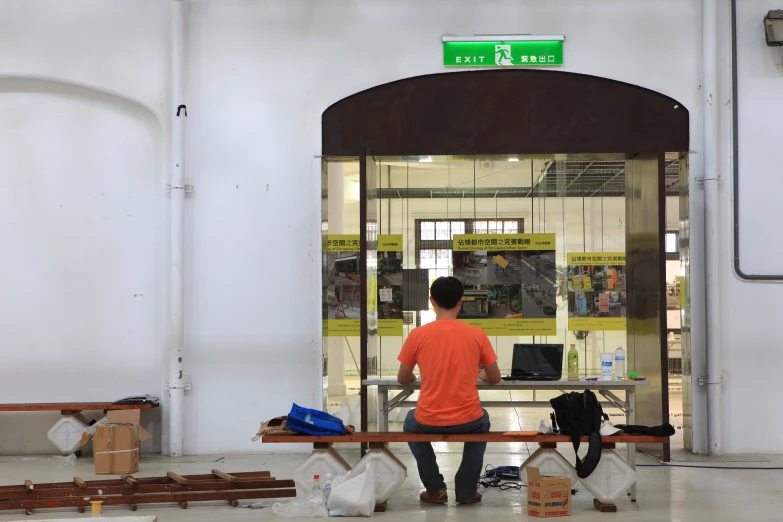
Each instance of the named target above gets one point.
<point>177,478</point>
<point>164,498</point>
<point>224,476</point>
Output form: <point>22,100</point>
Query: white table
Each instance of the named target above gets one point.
<point>607,389</point>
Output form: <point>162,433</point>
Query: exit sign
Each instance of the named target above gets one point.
<point>503,53</point>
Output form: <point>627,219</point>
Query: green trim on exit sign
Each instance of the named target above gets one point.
<point>503,54</point>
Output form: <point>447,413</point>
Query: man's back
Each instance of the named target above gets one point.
<point>448,353</point>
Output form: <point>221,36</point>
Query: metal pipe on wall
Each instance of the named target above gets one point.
<point>711,180</point>
<point>178,110</point>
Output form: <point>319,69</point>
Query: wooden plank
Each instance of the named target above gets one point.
<point>224,476</point>
<point>370,437</point>
<point>103,518</point>
<point>176,478</point>
<point>171,487</point>
<point>72,406</point>
<point>28,485</point>
<point>151,480</point>
<point>79,482</point>
<point>212,496</point>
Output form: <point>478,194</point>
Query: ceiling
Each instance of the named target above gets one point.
<point>558,178</point>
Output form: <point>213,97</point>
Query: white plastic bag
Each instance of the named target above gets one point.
<point>309,506</point>
<point>353,495</point>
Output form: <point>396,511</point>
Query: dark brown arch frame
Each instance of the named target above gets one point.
<point>511,111</point>
<point>504,112</point>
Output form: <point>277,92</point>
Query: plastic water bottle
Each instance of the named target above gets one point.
<point>619,363</point>
<point>316,483</point>
<point>328,485</point>
<point>573,364</point>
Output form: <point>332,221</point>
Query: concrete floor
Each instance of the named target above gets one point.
<point>665,493</point>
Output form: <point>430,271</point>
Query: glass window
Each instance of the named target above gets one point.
<point>443,259</point>
<point>427,230</point>
<point>510,227</point>
<point>427,259</point>
<point>457,227</point>
<point>442,230</point>
<point>495,227</point>
<point>479,227</point>
<point>671,243</point>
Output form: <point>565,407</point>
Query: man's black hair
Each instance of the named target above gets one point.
<point>446,291</point>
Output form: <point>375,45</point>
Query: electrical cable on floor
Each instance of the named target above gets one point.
<point>519,421</point>
<point>504,478</point>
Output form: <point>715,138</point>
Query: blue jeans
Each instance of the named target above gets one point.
<point>466,481</point>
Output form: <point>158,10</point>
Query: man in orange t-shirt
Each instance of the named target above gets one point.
<point>449,354</point>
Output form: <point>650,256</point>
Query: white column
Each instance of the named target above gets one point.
<point>336,345</point>
<point>712,222</point>
<point>177,327</point>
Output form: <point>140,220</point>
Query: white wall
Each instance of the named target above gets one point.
<point>81,209</point>
<point>752,357</point>
<point>259,76</point>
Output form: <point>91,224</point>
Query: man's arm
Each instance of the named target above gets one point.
<point>491,373</point>
<point>405,375</point>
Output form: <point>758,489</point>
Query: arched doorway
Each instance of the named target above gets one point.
<point>584,138</point>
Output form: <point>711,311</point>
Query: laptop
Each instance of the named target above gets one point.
<point>536,362</point>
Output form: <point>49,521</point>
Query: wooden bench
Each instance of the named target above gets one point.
<point>379,441</point>
<point>72,408</point>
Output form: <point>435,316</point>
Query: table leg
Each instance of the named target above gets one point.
<point>383,415</point>
<point>630,417</point>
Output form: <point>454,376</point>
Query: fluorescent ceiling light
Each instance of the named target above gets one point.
<point>505,38</point>
<point>513,159</point>
<point>426,159</point>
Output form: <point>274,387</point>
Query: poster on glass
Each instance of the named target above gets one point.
<point>596,291</point>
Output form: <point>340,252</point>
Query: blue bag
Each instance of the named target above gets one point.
<point>314,422</point>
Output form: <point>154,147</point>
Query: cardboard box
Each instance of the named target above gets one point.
<point>547,496</point>
<point>116,444</point>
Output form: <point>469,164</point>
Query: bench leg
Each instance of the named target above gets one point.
<point>604,508</point>
<point>550,461</point>
<point>321,461</point>
<point>390,471</point>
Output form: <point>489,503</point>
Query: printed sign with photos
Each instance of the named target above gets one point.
<point>510,282</point>
<point>596,291</point>
<point>390,316</point>
<point>342,299</point>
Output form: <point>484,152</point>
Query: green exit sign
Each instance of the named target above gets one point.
<point>502,53</point>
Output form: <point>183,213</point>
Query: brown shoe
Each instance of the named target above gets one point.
<point>476,498</point>
<point>441,497</point>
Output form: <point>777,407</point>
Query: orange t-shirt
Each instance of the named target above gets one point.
<point>448,354</point>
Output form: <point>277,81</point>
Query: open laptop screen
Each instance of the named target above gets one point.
<point>540,360</point>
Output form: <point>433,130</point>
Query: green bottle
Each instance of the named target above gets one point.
<point>573,364</point>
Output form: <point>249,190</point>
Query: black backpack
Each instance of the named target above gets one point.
<point>578,414</point>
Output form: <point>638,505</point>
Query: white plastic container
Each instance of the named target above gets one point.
<point>67,432</point>
<point>606,366</point>
<point>390,473</point>
<point>320,462</point>
<point>611,478</point>
<point>550,463</point>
